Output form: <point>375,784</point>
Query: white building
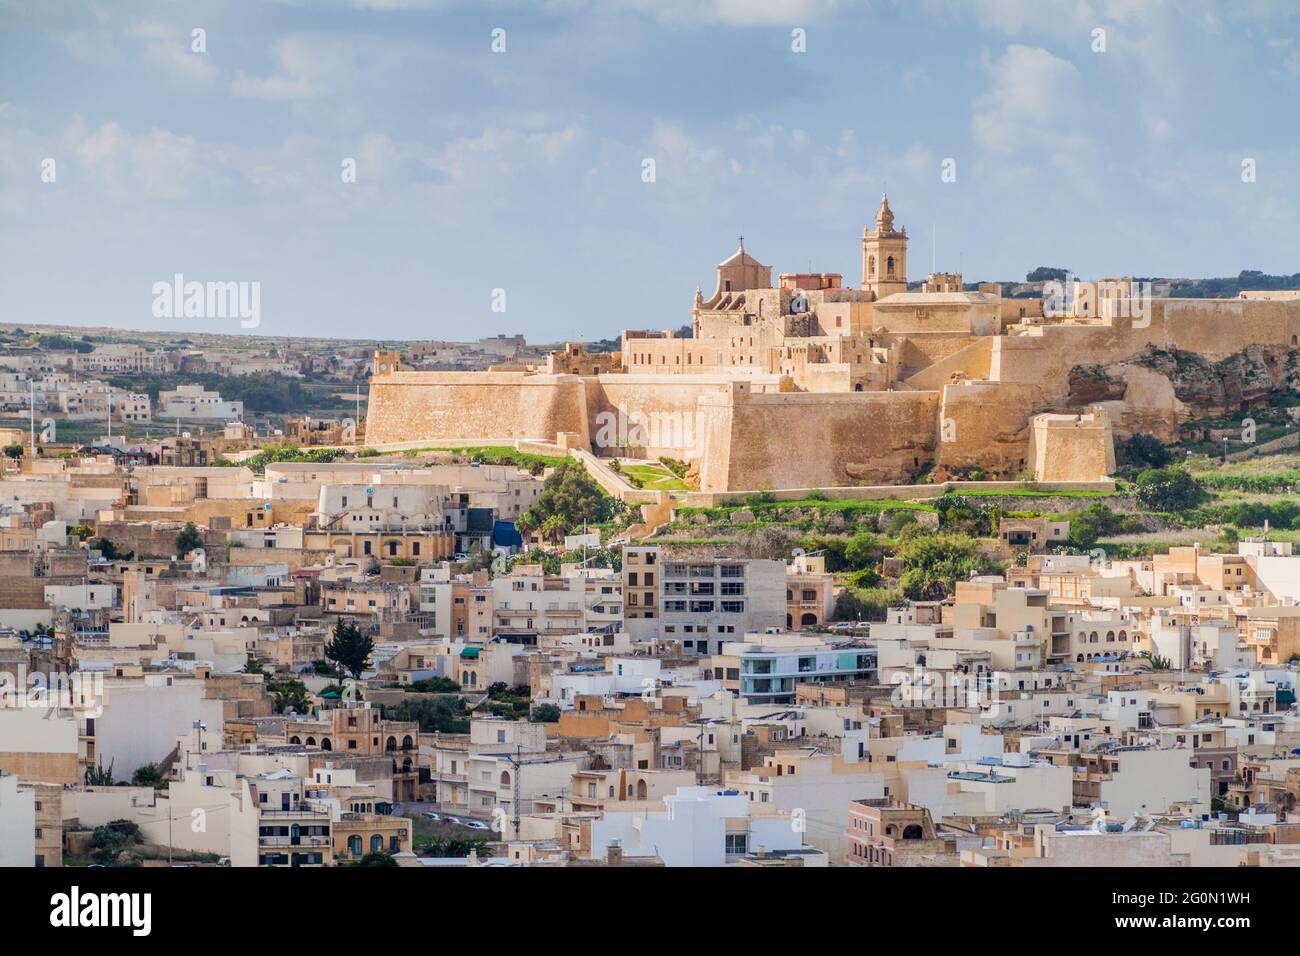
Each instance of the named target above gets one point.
<point>17,823</point>
<point>699,826</point>
<point>194,401</point>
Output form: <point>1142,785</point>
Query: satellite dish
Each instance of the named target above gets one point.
<point>797,552</point>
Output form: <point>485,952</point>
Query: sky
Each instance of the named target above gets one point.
<point>501,149</point>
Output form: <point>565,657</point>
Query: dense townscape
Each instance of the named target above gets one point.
<point>489,633</point>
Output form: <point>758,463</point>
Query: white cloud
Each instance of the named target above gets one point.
<point>703,13</point>
<point>1034,99</point>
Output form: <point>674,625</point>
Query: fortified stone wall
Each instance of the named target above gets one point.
<point>749,434</point>
<point>920,350</point>
<point>480,405</point>
<point>1071,446</point>
<point>802,439</point>
<point>652,415</point>
<point>985,425</point>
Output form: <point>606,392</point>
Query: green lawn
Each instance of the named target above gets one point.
<point>655,478</point>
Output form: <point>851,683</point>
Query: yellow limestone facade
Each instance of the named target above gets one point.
<point>802,382</point>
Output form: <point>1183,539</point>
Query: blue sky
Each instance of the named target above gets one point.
<point>522,170</point>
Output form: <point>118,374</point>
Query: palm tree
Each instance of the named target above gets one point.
<point>553,529</point>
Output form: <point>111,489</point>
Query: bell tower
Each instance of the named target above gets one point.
<point>884,254</point>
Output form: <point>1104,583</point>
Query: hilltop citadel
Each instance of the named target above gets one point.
<point>807,383</point>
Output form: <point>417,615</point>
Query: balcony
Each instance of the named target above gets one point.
<point>294,841</point>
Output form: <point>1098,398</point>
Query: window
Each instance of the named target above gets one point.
<point>738,842</point>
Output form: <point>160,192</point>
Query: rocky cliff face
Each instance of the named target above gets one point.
<point>1244,380</point>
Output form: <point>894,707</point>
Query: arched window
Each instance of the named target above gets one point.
<point>295,739</point>
<point>354,845</point>
<point>889,267</point>
<point>871,265</point>
<point>391,744</point>
<point>376,843</point>
<point>505,778</point>
<point>325,744</point>
<point>311,741</point>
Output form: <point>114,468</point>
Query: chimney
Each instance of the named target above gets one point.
<point>760,851</point>
<point>614,853</point>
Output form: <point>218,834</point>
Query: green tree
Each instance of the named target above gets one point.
<point>14,451</point>
<point>569,495</point>
<point>147,776</point>
<point>448,847</point>
<point>1092,523</point>
<point>865,604</point>
<point>1168,489</point>
<point>441,715</point>
<point>376,858</point>
<point>289,696</point>
<point>860,551</point>
<point>433,685</point>
<point>932,564</point>
<point>349,648</point>
<point>110,550</point>
<point>865,578</point>
<point>187,539</point>
<point>545,714</point>
<point>1141,450</point>
<point>553,529</point>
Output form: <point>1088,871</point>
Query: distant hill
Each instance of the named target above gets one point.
<point>1223,288</point>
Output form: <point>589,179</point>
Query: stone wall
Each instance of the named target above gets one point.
<point>800,439</point>
<point>985,425</point>
<point>1071,446</point>
<point>477,406</point>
